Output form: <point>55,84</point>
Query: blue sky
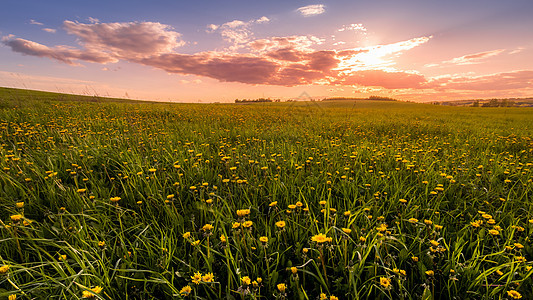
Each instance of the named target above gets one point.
<point>218,51</point>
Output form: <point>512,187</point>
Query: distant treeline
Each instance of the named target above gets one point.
<point>495,102</point>
<point>256,100</point>
<point>379,98</point>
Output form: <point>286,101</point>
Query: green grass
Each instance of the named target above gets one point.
<point>178,167</point>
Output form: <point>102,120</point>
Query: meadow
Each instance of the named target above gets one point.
<point>301,200</point>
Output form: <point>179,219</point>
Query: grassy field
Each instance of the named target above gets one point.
<point>302,200</point>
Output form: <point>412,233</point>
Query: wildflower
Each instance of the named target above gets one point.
<point>81,190</point>
<point>333,298</point>
<point>246,280</point>
<point>438,227</point>
<point>323,296</point>
<point>62,257</point>
<point>115,199</point>
<point>170,196</point>
<point>292,206</point>
<point>281,287</point>
<point>402,201</point>
<point>299,204</point>
<point>243,212</point>
<point>385,282</point>
<point>428,222</point>
<point>12,297</point>
<point>486,216</point>
<point>19,204</point>
<point>101,244</point>
<point>207,227</point>
<point>518,245</point>
<point>280,224</point>
<point>196,278</point>
<point>294,270</point>
<point>208,277</point>
<point>347,213</point>
<point>514,294</point>
<point>494,232</point>
<point>321,238</point>
<point>434,243</point>
<point>152,170</point>
<point>476,223</point>
<point>263,239</point>
<point>4,269</point>
<point>16,218</point>
<point>236,225</point>
<point>430,273</point>
<point>223,238</point>
<point>414,258</point>
<point>520,258</point>
<point>413,220</point>
<point>195,243</point>
<point>247,224</point>
<point>323,202</point>
<point>272,204</point>
<point>186,235</point>
<point>305,250</point>
<point>185,291</point>
<point>92,292</point>
<point>362,239</point>
<point>347,230</point>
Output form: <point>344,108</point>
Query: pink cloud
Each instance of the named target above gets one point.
<point>61,53</point>
<point>500,81</point>
<point>470,59</point>
<point>388,80</point>
<point>131,39</point>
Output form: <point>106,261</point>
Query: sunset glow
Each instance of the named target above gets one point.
<point>413,50</point>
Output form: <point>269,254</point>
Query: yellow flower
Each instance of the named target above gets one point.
<point>430,273</point>
<point>385,282</point>
<point>19,204</point>
<point>299,204</point>
<point>414,258</point>
<point>514,294</point>
<point>292,206</point>
<point>246,280</point>
<point>12,297</point>
<point>170,196</point>
<point>476,223</point>
<point>323,202</point>
<point>236,225</point>
<point>347,230</point>
<point>92,292</point>
<point>402,201</point>
<point>280,224</point>
<point>428,222</point>
<point>115,199</point>
<point>243,212</point>
<point>321,238</point>
<point>208,277</point>
<point>101,243</point>
<point>272,204</point>
<point>333,298</point>
<point>438,227</point>
<point>223,238</point>
<point>4,269</point>
<point>281,287</point>
<point>518,245</point>
<point>413,220</point>
<point>195,243</point>
<point>16,218</point>
<point>494,232</point>
<point>152,170</point>
<point>196,278</point>
<point>347,213</point>
<point>186,235</point>
<point>294,270</point>
<point>62,257</point>
<point>207,227</point>
<point>247,224</point>
<point>323,296</point>
<point>362,239</point>
<point>263,239</point>
<point>434,243</point>
<point>185,291</point>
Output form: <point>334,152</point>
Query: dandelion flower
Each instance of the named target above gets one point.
<point>514,294</point>
<point>385,282</point>
<point>185,291</point>
<point>321,238</point>
<point>263,239</point>
<point>247,224</point>
<point>281,287</point>
<point>280,224</point>
<point>246,280</point>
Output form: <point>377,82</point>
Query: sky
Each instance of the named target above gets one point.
<point>219,51</point>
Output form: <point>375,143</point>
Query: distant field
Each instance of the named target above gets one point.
<point>302,200</point>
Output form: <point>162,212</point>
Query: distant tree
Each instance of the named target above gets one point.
<point>475,104</point>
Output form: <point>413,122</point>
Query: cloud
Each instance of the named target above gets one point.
<point>499,81</point>
<point>312,10</point>
<point>388,80</point>
<point>33,22</point>
<point>61,53</point>
<point>50,30</point>
<point>236,32</point>
<point>129,39</point>
<point>469,59</point>
<point>301,42</point>
<point>353,27</point>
